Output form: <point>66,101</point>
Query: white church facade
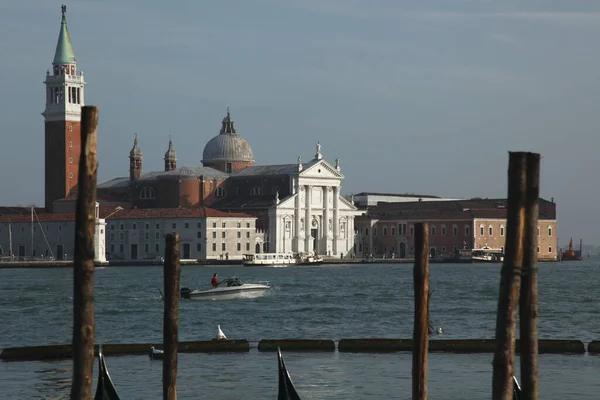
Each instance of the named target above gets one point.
<point>315,217</point>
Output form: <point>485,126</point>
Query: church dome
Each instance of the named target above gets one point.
<point>227,146</point>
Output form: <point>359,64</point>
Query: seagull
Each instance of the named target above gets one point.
<point>154,353</point>
<point>220,334</point>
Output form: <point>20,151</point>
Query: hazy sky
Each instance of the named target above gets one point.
<point>413,96</point>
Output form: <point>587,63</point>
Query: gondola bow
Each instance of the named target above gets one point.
<point>105,390</point>
<point>286,387</point>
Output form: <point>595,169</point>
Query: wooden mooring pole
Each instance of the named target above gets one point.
<point>421,323</point>
<point>528,301</point>
<point>172,272</point>
<point>510,280</point>
<point>83,266</point>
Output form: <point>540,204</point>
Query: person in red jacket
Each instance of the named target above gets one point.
<point>215,280</point>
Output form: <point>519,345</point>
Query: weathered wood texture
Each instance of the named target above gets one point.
<point>421,322</point>
<point>528,301</point>
<point>83,268</point>
<point>172,271</point>
<point>510,280</point>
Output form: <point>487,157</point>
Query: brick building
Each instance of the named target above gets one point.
<point>388,228</point>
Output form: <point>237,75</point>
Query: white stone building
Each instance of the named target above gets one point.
<point>204,233</point>
<point>315,217</point>
<point>299,205</point>
<point>30,235</point>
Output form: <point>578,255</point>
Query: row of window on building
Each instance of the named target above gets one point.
<point>198,247</point>
<point>157,235</point>
<point>148,193</point>
<point>433,230</point>
<point>411,249</point>
<point>186,225</point>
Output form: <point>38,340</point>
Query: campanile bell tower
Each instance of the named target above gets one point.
<point>62,117</point>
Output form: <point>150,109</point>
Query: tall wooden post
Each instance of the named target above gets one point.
<point>83,266</point>
<point>528,302</point>
<point>508,298</point>
<point>421,323</point>
<point>172,272</point>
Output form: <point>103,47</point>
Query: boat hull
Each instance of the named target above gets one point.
<point>286,389</point>
<point>247,290</point>
<point>105,389</point>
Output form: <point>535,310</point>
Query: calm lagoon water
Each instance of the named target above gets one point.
<point>324,302</point>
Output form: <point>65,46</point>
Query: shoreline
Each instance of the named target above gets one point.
<point>145,263</point>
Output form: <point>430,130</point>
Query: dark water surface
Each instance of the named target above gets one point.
<point>325,302</point>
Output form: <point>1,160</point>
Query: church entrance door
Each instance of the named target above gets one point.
<point>257,248</point>
<point>313,234</point>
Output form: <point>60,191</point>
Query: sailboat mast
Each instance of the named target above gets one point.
<point>10,252</point>
<point>32,249</point>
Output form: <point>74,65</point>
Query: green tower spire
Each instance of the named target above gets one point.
<point>64,51</point>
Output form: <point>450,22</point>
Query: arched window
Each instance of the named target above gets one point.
<point>550,231</point>
<point>220,192</point>
<point>432,230</point>
<point>481,230</point>
<point>491,230</point>
<point>147,193</point>
<point>443,232</point>
<point>501,230</point>
<point>454,230</point>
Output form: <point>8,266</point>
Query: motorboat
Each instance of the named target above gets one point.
<point>280,259</point>
<point>286,390</point>
<point>105,390</point>
<point>230,288</point>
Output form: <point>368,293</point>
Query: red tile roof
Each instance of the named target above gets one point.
<point>472,208</point>
<point>42,217</point>
<point>195,212</point>
<point>139,213</point>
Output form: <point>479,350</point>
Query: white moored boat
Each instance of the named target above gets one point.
<point>230,288</point>
<point>487,254</point>
<point>280,259</point>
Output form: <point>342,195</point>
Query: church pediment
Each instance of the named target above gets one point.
<point>321,169</point>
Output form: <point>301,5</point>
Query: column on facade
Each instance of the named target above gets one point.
<point>297,223</point>
<point>307,234</point>
<point>336,218</point>
<point>371,227</point>
<point>325,230</point>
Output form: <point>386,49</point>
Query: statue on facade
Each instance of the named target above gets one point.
<point>337,163</point>
<point>63,8</point>
<point>277,197</point>
<point>318,155</point>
